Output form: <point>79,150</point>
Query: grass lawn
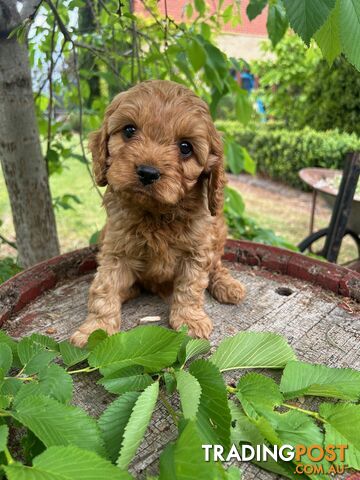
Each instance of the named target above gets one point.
<point>285,210</point>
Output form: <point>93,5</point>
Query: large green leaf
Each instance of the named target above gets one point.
<point>53,382</point>
<point>113,421</point>
<point>66,463</point>
<point>72,355</point>
<point>300,378</point>
<point>189,391</point>
<point>258,393</point>
<point>277,22</point>
<point>137,424</point>
<point>191,348</point>
<point>213,411</point>
<point>254,8</point>
<point>328,37</point>
<point>307,16</point>
<point>186,459</point>
<point>342,427</point>
<point>350,30</point>
<point>6,357</point>
<point>57,424</point>
<point>252,350</point>
<point>128,379</point>
<point>4,432</point>
<point>150,346</point>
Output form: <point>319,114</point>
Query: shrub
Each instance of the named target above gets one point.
<point>280,153</point>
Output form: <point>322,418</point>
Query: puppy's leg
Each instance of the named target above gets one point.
<point>113,285</point>
<point>223,287</point>
<point>187,306</point>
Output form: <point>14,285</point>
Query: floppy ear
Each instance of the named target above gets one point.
<point>217,179</point>
<point>99,150</point>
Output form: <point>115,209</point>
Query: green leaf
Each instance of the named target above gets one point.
<point>233,201</point>
<point>350,30</point>
<point>252,350</point>
<point>137,424</point>
<point>300,378</point>
<point>39,360</point>
<point>113,421</point>
<point>72,355</point>
<point>213,411</point>
<point>66,463</point>
<point>95,338</point>
<point>243,106</point>
<point>328,37</point>
<point>29,347</point>
<point>185,459</point>
<point>277,22</point>
<point>4,433</point>
<point>197,54</point>
<point>192,347</point>
<point>57,424</point>
<point>258,393</point>
<point>6,357</point>
<point>200,6</point>
<point>254,8</point>
<point>150,346</point>
<point>307,16</point>
<point>342,427</point>
<point>53,382</point>
<point>189,391</point>
<point>4,338</point>
<point>128,379</point>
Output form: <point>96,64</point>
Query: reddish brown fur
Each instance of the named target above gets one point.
<point>168,236</point>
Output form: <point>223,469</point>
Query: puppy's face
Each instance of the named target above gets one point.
<point>156,142</point>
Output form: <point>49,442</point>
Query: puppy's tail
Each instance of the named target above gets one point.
<point>223,287</point>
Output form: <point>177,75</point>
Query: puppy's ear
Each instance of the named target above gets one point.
<point>217,179</point>
<point>99,150</point>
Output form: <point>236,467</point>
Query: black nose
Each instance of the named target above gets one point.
<point>147,174</point>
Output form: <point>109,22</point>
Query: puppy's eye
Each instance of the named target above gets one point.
<point>129,131</point>
<point>186,149</point>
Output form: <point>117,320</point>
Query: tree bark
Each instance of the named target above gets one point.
<point>22,162</point>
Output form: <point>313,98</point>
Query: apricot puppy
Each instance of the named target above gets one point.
<point>161,158</point>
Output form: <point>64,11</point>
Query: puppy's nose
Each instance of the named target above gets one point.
<point>147,174</point>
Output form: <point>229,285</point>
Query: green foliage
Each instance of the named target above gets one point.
<point>322,97</point>
<point>64,442</point>
<point>8,268</point>
<point>280,154</point>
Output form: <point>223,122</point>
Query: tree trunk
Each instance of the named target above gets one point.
<point>22,162</point>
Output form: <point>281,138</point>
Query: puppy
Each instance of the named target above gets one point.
<point>161,158</point>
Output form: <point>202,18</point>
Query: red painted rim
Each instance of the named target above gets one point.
<point>25,287</point>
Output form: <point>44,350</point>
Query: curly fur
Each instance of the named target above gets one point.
<point>167,237</point>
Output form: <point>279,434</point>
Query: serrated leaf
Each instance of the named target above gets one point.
<point>4,338</point>
<point>342,427</point>
<point>66,463</point>
<point>128,379</point>
<point>72,355</point>
<point>95,338</point>
<point>277,22</point>
<point>170,383</point>
<point>6,357</point>
<point>11,386</point>
<point>213,411</point>
<point>137,424</point>
<point>53,382</point>
<point>113,421</point>
<point>57,424</point>
<point>185,459</point>
<point>300,378</point>
<point>252,350</point>
<point>328,37</point>
<point>39,360</point>
<point>254,8</point>
<point>350,30</point>
<point>4,433</point>
<point>150,346</point>
<point>258,393</point>
<point>197,54</point>
<point>190,391</point>
<point>192,347</point>
<point>307,16</point>
<point>29,347</point>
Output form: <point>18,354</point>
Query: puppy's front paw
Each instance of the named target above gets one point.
<point>199,323</point>
<point>80,337</point>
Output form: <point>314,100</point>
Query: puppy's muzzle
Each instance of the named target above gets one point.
<point>147,174</point>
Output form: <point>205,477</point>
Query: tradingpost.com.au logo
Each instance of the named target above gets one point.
<point>306,457</point>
